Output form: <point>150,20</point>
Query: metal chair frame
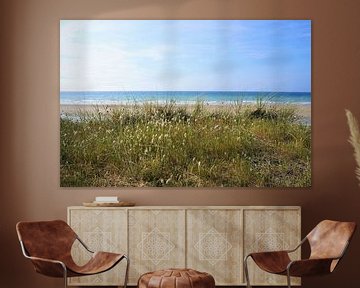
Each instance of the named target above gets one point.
<point>23,249</point>
<point>288,276</point>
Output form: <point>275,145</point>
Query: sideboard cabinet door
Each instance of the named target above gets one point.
<point>269,230</point>
<point>214,244</point>
<point>101,230</point>
<point>156,240</point>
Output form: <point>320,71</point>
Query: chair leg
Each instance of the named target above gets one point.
<point>246,270</point>
<point>127,271</point>
<point>288,278</point>
<point>65,276</point>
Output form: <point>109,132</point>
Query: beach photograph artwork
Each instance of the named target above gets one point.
<point>185,103</point>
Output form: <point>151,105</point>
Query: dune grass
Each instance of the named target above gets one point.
<point>173,145</point>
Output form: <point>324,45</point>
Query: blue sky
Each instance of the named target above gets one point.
<point>203,55</point>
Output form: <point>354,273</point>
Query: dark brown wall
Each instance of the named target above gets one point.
<point>29,118</point>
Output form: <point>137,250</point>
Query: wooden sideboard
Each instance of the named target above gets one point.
<point>211,239</point>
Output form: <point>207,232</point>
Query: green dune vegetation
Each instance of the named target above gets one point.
<point>174,145</point>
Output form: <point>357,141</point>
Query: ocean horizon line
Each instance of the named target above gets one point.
<point>181,97</point>
<point>133,102</point>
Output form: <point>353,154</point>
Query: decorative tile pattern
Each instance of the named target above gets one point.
<point>269,241</point>
<point>157,241</point>
<point>214,242</point>
<point>156,246</point>
<point>99,240</point>
<point>213,246</point>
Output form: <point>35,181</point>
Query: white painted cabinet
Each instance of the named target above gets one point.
<point>211,239</point>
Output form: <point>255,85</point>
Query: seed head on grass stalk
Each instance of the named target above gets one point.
<point>354,140</point>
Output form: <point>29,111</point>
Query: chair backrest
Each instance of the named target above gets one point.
<point>46,239</point>
<point>329,239</point>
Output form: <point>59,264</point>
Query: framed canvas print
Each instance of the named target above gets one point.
<point>185,103</point>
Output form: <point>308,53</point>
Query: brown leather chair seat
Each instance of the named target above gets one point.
<point>176,278</point>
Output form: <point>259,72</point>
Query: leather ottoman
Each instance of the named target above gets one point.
<point>176,278</point>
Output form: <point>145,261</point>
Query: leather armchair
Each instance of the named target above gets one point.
<point>328,243</point>
<point>48,245</point>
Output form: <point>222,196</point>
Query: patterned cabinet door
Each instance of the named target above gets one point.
<point>269,230</point>
<point>214,244</point>
<point>156,240</point>
<point>101,230</point>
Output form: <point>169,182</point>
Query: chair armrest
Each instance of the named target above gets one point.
<point>48,267</point>
<point>280,251</point>
<point>309,267</point>
<point>83,244</point>
<point>271,261</point>
<point>268,254</point>
<point>45,260</point>
<point>298,246</point>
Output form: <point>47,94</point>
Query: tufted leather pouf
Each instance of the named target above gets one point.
<point>176,278</point>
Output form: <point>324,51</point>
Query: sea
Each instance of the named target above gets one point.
<point>181,97</point>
